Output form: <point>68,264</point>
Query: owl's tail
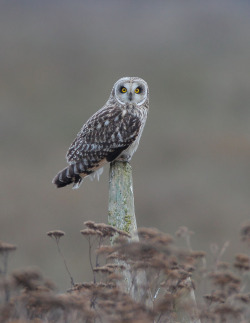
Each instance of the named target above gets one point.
<point>72,174</point>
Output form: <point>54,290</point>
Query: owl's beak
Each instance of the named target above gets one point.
<point>130,96</point>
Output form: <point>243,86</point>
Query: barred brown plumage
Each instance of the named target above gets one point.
<point>113,132</point>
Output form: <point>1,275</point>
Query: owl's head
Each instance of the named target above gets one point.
<point>130,90</point>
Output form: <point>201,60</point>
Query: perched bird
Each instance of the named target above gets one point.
<point>111,133</point>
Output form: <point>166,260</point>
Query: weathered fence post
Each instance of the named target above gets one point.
<point>121,198</point>
<point>122,216</point>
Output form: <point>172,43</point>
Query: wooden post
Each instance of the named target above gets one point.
<point>122,216</point>
<point>121,198</point>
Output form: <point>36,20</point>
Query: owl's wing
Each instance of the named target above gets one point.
<point>103,137</point>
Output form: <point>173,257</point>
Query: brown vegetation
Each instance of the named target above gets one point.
<point>171,274</point>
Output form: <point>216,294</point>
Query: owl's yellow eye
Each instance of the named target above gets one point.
<point>123,90</point>
<point>137,90</point>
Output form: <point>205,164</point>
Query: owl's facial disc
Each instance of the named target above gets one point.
<point>131,91</point>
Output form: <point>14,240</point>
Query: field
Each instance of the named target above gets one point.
<point>59,61</point>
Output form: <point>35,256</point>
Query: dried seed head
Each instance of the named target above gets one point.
<point>188,268</point>
<point>227,310</point>
<point>207,315</point>
<point>186,285</point>
<point>91,232</point>
<point>105,250</point>
<point>244,298</point>
<point>82,286</point>
<point>104,269</point>
<point>115,255</point>
<point>115,277</point>
<point>29,278</point>
<point>242,262</point>
<point>116,266</point>
<point>135,250</point>
<point>242,258</point>
<point>56,234</point>
<point>89,224</point>
<point>233,288</point>
<point>7,247</point>
<point>215,297</point>
<point>154,236</point>
<point>223,278</point>
<point>123,233</point>
<point>49,284</point>
<point>148,233</point>
<point>105,229</point>
<point>197,254</point>
<point>173,274</point>
<point>120,240</point>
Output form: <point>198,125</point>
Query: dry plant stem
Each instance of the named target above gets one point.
<point>122,217</point>
<point>5,262</point>
<point>5,269</point>
<point>90,260</point>
<point>65,263</point>
<point>191,293</point>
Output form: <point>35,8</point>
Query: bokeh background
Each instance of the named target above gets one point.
<point>59,60</point>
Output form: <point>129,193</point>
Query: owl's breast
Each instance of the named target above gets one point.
<point>128,153</point>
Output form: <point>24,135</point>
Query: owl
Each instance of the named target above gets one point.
<point>112,133</point>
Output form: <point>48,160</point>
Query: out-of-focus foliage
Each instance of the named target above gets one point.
<point>168,284</point>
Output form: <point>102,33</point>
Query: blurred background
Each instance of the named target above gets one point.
<point>59,61</point>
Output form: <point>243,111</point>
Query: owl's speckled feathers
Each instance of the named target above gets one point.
<point>111,133</point>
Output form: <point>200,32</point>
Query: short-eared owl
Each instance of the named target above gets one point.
<point>111,133</point>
